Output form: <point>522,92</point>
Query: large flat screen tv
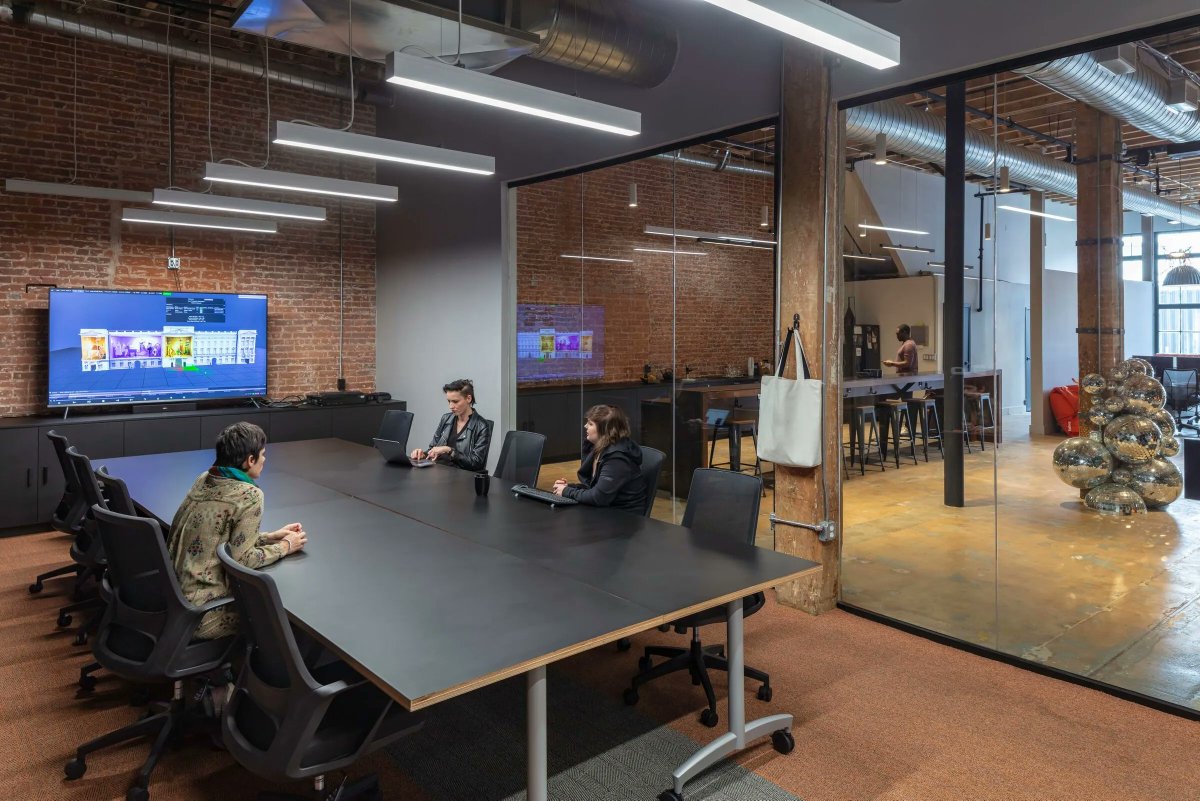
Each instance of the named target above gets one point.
<point>557,342</point>
<point>120,346</point>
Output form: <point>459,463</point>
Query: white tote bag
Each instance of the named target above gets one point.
<point>789,422</point>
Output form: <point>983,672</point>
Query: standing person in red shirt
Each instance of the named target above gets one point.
<point>906,357</point>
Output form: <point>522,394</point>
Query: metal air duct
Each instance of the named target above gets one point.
<point>714,165</point>
<point>918,134</point>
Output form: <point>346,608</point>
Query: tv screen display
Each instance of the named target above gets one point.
<point>559,342</point>
<point>121,346</point>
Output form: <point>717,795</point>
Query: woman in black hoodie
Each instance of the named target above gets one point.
<point>611,474</point>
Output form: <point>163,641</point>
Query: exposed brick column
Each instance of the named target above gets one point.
<point>810,155</point>
<point>1101,292</point>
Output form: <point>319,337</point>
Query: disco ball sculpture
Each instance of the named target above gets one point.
<point>1122,462</point>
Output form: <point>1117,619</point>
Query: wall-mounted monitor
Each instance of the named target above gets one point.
<point>559,342</point>
<point>121,346</point>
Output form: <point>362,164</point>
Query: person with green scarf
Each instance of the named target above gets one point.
<point>224,505</point>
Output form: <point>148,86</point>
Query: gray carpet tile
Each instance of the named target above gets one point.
<point>473,749</point>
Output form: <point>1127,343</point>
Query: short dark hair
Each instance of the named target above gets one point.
<point>611,425</point>
<point>904,330</point>
<point>239,442</point>
<point>462,385</point>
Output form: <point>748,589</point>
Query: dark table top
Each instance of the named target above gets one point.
<point>432,591</point>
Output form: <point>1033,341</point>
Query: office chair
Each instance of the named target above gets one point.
<point>652,462</point>
<point>1183,393</point>
<point>396,426</point>
<point>68,515</point>
<point>291,719</point>
<point>723,503</point>
<point>521,457</point>
<point>87,550</point>
<point>146,635</point>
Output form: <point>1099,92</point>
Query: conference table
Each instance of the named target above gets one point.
<point>431,591</point>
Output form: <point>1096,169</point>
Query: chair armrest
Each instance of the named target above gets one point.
<point>211,605</point>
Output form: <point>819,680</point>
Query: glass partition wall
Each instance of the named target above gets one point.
<point>1081,558</point>
<point>650,286</point>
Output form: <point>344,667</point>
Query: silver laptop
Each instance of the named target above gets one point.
<point>394,452</point>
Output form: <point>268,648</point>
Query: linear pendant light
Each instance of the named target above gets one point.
<point>863,257</point>
<point>823,25</point>
<point>593,258</point>
<point>680,233</point>
<point>674,252</point>
<point>431,75</point>
<point>75,190</point>
<point>906,248</point>
<point>197,221</point>
<point>237,205</point>
<point>298,182</point>
<point>893,230</point>
<point>1033,213</point>
<point>373,147</point>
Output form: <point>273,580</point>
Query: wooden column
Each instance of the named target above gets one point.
<point>810,284</point>
<point>1101,326</point>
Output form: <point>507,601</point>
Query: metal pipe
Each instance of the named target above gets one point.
<point>957,157</point>
<point>711,164</point>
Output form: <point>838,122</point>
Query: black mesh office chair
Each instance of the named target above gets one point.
<point>88,549</point>
<point>68,515</point>
<point>521,457</point>
<point>289,718</point>
<point>1183,394</point>
<point>146,635</point>
<point>396,426</point>
<point>652,462</point>
<point>724,503</point>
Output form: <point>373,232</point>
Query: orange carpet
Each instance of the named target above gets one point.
<point>881,715</point>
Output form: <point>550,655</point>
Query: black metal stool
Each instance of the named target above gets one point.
<point>922,410</point>
<point>899,420</point>
<point>983,405</point>
<point>860,418</point>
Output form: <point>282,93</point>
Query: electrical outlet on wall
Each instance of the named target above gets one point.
<point>929,357</point>
<point>173,263</point>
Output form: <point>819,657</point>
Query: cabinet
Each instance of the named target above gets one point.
<point>18,476</point>
<point>287,426</point>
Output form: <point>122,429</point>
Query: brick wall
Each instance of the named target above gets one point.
<point>723,302</point>
<point>122,140</point>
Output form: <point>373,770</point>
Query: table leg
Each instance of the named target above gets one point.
<point>735,448</point>
<point>535,733</point>
<point>740,732</point>
<point>885,427</point>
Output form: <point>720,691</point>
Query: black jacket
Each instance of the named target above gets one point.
<point>617,481</point>
<point>471,446</point>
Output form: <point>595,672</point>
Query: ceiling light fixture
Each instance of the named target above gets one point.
<point>822,25</point>
<point>881,149</point>
<point>863,257</point>
<point>237,205</point>
<point>632,195</point>
<point>894,230</point>
<point>680,233</point>
<point>940,264</point>
<point>1005,181</point>
<point>1174,222</point>
<point>676,252</point>
<point>907,248</point>
<point>1033,213</point>
<point>298,182</point>
<point>75,190</point>
<point>373,147</point>
<point>431,75</point>
<point>987,232</point>
<point>738,244</point>
<point>594,258</point>
<point>197,221</point>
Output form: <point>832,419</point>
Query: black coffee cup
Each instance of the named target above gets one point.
<point>482,482</point>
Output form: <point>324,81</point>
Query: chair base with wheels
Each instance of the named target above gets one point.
<point>362,789</point>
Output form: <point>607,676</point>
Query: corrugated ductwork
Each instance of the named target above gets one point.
<point>919,134</point>
<point>613,38</point>
<point>181,51</point>
<point>1138,98</point>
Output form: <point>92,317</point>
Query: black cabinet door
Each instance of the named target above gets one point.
<point>163,435</point>
<point>94,440</point>
<point>359,424</point>
<point>293,424</point>
<point>18,476</point>
<point>212,425</point>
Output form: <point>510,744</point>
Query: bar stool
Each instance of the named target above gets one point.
<point>860,418</point>
<point>921,410</point>
<point>983,405</point>
<point>734,431</point>
<point>899,418</point>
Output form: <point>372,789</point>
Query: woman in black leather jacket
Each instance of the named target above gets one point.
<point>611,474</point>
<point>462,437</point>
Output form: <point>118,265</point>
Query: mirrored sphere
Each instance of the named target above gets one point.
<point>1143,394</point>
<point>1114,404</point>
<point>1165,422</point>
<point>1135,366</point>
<point>1097,435</point>
<point>1132,439</point>
<point>1149,367</point>
<point>1169,445</point>
<point>1118,374</point>
<point>1113,499</point>
<point>1159,482</point>
<point>1099,417</point>
<point>1093,383</point>
<point>1082,462</point>
<point>1122,476</point>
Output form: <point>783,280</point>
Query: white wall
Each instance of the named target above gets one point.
<point>1139,319</point>
<point>892,301</point>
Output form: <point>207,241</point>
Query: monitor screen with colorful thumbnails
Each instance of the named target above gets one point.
<point>559,342</point>
<point>113,346</point>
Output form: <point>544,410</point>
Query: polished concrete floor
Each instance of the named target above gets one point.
<point>1023,567</point>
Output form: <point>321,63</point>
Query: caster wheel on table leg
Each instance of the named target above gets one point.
<point>75,768</point>
<point>709,718</point>
<point>783,741</point>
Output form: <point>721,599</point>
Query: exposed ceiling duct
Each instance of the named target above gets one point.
<point>918,134</point>
<point>1139,98</point>
<point>714,165</point>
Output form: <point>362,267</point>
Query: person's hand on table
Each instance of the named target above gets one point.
<point>417,454</point>
<point>559,486</point>
<point>292,534</point>
<point>440,451</point>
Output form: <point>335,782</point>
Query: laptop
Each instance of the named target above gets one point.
<point>395,453</point>
<point>716,417</point>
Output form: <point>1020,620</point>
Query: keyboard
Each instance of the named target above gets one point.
<point>545,496</point>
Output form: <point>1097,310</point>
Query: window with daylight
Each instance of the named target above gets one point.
<point>1178,306</point>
